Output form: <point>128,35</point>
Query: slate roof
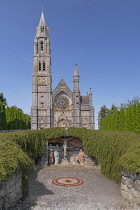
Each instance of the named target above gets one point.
<point>84,100</point>
<point>62,86</point>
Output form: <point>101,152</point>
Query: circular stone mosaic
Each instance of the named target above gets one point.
<point>67,181</point>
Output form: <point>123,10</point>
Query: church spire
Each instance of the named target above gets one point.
<point>42,30</point>
<point>42,19</point>
<point>76,79</point>
<point>76,71</point>
<point>90,92</point>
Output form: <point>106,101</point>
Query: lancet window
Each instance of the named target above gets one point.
<point>39,66</point>
<point>44,66</point>
<point>41,43</point>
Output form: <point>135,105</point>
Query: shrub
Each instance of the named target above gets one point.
<point>113,149</point>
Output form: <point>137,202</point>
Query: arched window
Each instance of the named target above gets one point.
<point>44,66</point>
<point>39,66</point>
<point>41,43</point>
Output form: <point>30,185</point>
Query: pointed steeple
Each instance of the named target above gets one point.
<point>76,79</point>
<point>90,97</point>
<point>42,30</point>
<point>76,71</point>
<point>90,92</point>
<point>42,19</point>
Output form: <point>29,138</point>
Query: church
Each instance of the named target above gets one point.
<point>60,107</point>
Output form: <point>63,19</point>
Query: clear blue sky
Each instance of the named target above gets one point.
<point>101,36</point>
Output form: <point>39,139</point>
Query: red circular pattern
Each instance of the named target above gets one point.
<point>67,181</point>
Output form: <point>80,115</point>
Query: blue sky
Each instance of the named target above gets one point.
<point>101,36</point>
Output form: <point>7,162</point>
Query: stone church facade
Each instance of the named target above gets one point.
<point>60,107</point>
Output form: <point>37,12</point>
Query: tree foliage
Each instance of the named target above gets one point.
<point>125,118</point>
<point>3,121</point>
<point>2,99</point>
<point>16,119</point>
<point>104,111</point>
<point>12,118</point>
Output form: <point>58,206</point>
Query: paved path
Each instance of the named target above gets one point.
<point>97,192</point>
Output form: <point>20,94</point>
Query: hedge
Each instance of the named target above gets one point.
<point>19,149</point>
<point>12,158</point>
<point>113,150</point>
<point>125,119</point>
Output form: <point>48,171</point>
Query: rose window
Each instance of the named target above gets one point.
<point>62,102</point>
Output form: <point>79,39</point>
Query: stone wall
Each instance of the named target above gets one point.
<point>130,187</point>
<point>10,191</point>
<point>91,163</point>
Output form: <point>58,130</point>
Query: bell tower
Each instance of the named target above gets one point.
<point>41,111</point>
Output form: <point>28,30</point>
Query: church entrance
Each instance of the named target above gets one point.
<point>67,148</point>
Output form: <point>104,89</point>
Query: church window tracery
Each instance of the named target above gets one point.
<point>62,102</point>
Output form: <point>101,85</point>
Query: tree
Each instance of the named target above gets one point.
<point>113,109</point>
<point>3,123</point>
<point>16,119</point>
<point>135,101</point>
<point>2,99</point>
<point>104,112</point>
<point>123,118</point>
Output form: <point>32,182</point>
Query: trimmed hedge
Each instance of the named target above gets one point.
<point>33,141</point>
<point>19,149</point>
<point>114,150</point>
<point>12,158</point>
<point>127,118</point>
<point>27,144</point>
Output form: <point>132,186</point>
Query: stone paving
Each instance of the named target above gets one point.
<point>97,192</point>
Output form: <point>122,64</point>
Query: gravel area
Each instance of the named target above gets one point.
<point>97,192</point>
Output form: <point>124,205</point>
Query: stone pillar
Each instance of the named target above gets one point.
<point>65,149</point>
<point>46,153</point>
<point>65,160</point>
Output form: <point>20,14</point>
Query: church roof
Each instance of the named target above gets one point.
<point>84,100</point>
<point>62,86</point>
